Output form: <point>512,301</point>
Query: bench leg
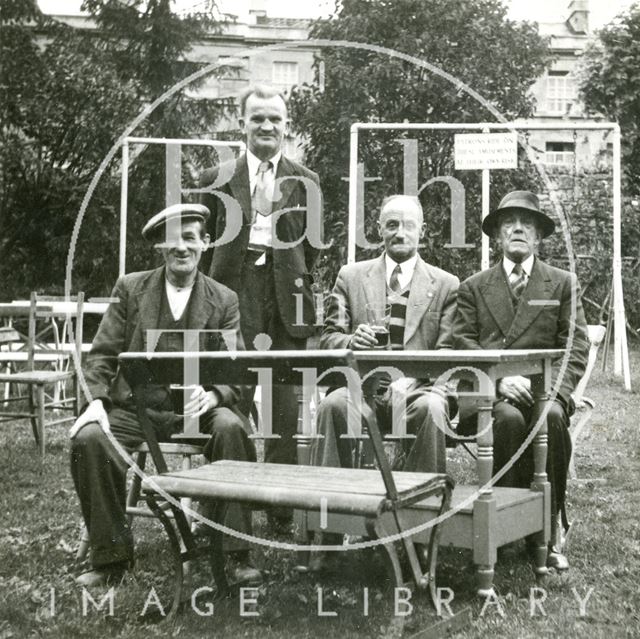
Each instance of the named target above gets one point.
<point>133,496</point>
<point>176,550</point>
<point>377,530</point>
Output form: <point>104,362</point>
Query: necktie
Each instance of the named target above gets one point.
<point>260,199</point>
<point>518,280</point>
<point>394,281</point>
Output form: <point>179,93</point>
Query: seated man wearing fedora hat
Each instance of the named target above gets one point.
<point>523,303</point>
<point>173,298</point>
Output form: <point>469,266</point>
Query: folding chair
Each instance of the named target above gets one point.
<point>38,350</point>
<point>183,450</point>
<point>584,405</point>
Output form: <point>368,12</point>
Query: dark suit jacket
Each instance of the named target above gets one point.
<point>292,266</point>
<point>124,325</point>
<point>430,308</point>
<point>485,318</point>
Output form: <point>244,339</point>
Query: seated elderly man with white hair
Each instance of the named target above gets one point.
<point>419,302</point>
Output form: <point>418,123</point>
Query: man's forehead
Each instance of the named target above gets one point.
<point>255,103</point>
<point>401,208</point>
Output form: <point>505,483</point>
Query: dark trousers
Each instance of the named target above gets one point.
<point>427,417</point>
<point>99,474</point>
<point>260,318</point>
<point>511,426</point>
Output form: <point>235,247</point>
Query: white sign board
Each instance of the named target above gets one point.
<point>486,151</point>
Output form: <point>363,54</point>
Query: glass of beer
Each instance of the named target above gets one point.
<point>378,316</point>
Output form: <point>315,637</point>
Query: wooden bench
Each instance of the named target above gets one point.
<point>360,495</point>
<point>376,500</point>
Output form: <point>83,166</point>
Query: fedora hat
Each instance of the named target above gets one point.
<point>153,227</point>
<point>518,201</point>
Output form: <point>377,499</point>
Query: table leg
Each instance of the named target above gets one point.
<point>40,401</point>
<point>302,535</point>
<point>484,508</point>
<point>540,388</point>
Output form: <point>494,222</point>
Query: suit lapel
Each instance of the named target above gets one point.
<point>496,294</point>
<point>148,300</point>
<point>200,307</point>
<point>539,290</point>
<point>375,284</point>
<point>241,187</point>
<point>421,293</point>
<point>285,168</point>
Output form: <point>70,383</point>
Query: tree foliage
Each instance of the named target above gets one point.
<point>472,41</point>
<point>609,81</point>
<point>610,84</point>
<point>66,96</point>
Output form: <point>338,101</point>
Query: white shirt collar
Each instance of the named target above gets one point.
<point>407,268</point>
<point>527,265</point>
<point>253,162</point>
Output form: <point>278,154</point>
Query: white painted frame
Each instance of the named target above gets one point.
<point>621,353</point>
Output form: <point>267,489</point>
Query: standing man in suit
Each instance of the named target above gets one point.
<point>422,304</point>
<point>522,302</point>
<point>173,298</point>
<point>268,257</point>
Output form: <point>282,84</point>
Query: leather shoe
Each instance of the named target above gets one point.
<point>557,560</point>
<point>110,575</point>
<point>244,574</point>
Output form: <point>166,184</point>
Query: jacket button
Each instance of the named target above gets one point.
<point>504,340</point>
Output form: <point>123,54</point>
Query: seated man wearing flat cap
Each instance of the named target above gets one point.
<point>523,303</point>
<point>172,298</point>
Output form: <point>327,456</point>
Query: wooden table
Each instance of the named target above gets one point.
<point>483,517</point>
<point>375,499</point>
<point>57,307</point>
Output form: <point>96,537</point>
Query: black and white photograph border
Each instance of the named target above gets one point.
<point>364,586</point>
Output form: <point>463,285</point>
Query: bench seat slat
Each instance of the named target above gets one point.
<point>345,480</point>
<point>346,490</point>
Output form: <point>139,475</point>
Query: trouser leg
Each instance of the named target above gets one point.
<point>558,454</point>
<point>338,415</point>
<point>428,419</point>
<point>229,440</point>
<point>511,427</point>
<point>99,475</point>
<point>262,329</point>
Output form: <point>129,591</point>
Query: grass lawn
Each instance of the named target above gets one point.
<point>41,526</point>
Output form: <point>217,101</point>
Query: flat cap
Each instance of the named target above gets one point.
<point>176,211</point>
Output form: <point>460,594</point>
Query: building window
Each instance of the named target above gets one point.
<point>561,92</point>
<point>560,153</point>
<point>285,74</point>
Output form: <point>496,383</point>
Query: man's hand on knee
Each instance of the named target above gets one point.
<point>94,412</point>
<point>200,402</point>
<point>516,389</point>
